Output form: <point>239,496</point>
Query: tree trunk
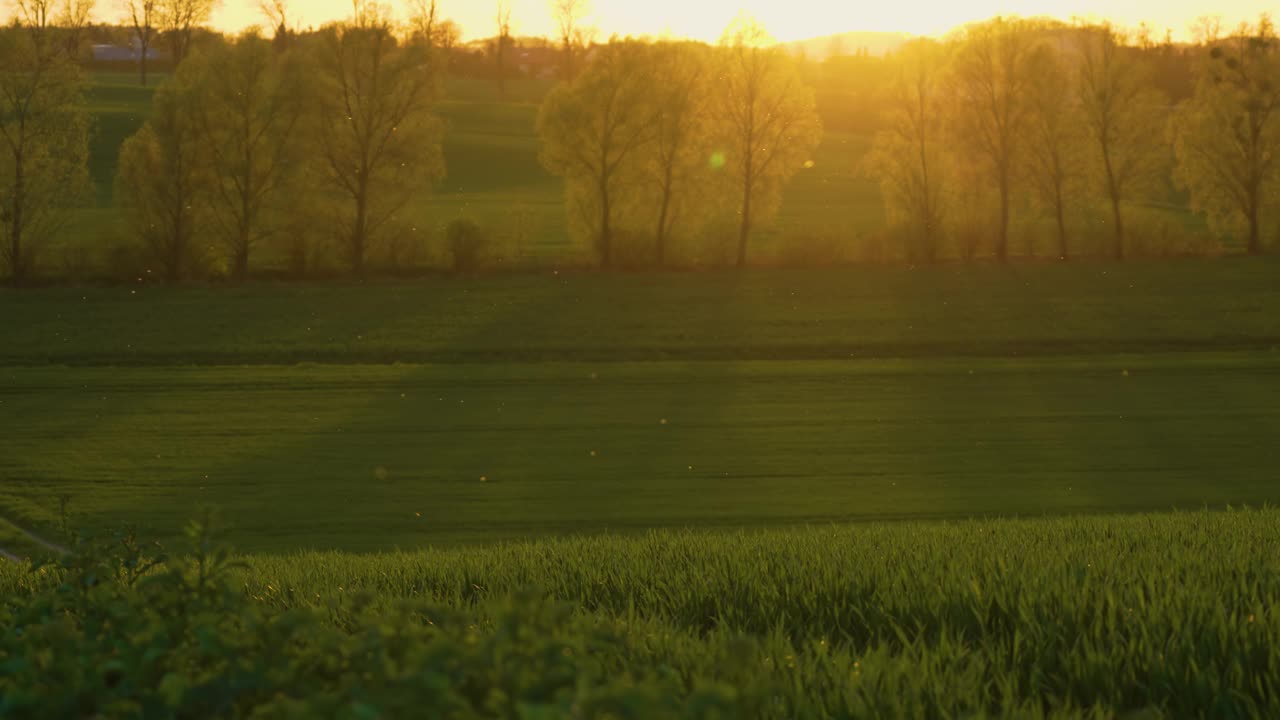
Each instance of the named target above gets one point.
<point>1002,247</point>
<point>142,64</point>
<point>241,269</point>
<point>174,270</point>
<point>1114,193</point>
<point>1119,221</point>
<point>502,70</point>
<point>660,249</point>
<point>1255,235</point>
<point>17,262</point>
<point>358,237</point>
<point>1062,228</point>
<point>744,230</point>
<point>606,228</point>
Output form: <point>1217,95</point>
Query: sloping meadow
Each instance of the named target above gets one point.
<point>1164,615</point>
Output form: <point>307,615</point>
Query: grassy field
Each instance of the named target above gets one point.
<point>867,312</point>
<point>501,407</point>
<point>1162,616</point>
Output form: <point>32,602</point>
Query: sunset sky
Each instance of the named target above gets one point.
<point>786,19</point>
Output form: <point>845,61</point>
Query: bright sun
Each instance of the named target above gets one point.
<point>786,19</point>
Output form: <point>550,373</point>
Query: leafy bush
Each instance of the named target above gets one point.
<point>119,633</point>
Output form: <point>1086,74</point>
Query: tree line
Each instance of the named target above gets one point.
<point>1062,119</point>
<point>334,132</point>
<point>656,140</point>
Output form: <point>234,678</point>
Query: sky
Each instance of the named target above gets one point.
<point>786,20</point>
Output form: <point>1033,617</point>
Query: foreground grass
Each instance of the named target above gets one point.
<point>1166,616</point>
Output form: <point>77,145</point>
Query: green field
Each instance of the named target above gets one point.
<point>459,410</point>
<point>1038,490</point>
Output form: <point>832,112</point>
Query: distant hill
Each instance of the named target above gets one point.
<point>849,43</point>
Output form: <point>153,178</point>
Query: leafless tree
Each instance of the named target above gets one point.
<point>569,15</point>
<point>909,158</point>
<point>378,141</point>
<point>592,130</point>
<point>1051,161</point>
<point>142,16</point>
<point>179,20</point>
<point>424,16</point>
<point>250,107</point>
<point>990,83</point>
<point>74,18</point>
<point>1227,136</point>
<point>1123,119</point>
<point>36,15</point>
<point>502,41</point>
<point>44,146</point>
<point>278,15</point>
<point>771,122</point>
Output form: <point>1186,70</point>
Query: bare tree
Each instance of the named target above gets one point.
<point>1051,161</point>
<point>569,15</point>
<point>501,42</point>
<point>1228,134</point>
<point>592,130</point>
<point>1123,118</point>
<point>74,18</point>
<point>448,35</point>
<point>990,79</point>
<point>178,20</point>
<point>379,143</point>
<point>163,176</point>
<point>771,122</point>
<point>675,161</point>
<point>250,106</point>
<point>279,16</point>
<point>424,19</point>
<point>909,159</point>
<point>44,146</point>
<point>36,15</point>
<point>143,16</point>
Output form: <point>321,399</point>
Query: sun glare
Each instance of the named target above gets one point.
<point>787,20</point>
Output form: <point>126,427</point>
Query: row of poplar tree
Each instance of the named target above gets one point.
<point>336,130</point>
<point>1011,115</point>
<point>1069,118</point>
<point>250,139</point>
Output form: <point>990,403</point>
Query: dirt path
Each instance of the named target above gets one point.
<point>37,540</point>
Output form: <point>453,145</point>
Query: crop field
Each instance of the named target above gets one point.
<point>471,410</point>
<point>1159,616</point>
<point>474,451</point>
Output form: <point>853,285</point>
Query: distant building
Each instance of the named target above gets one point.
<point>123,53</point>
<point>539,62</point>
